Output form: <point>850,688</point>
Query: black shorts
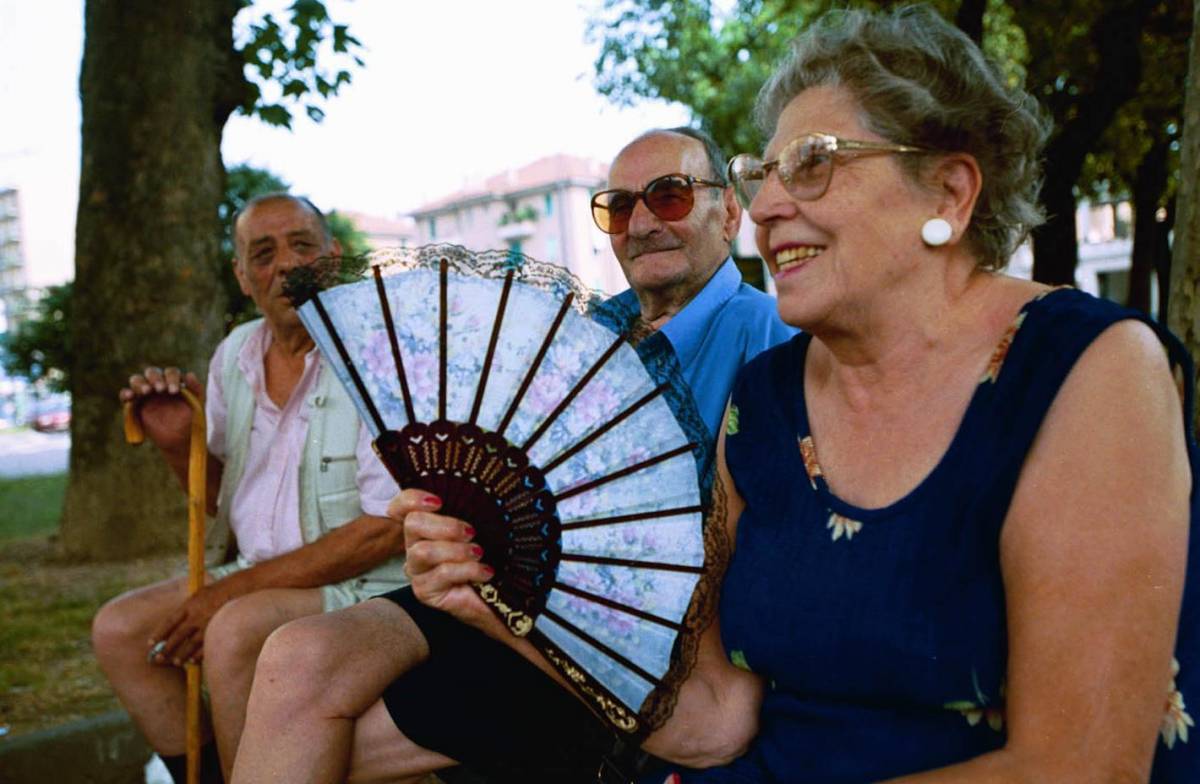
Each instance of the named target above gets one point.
<point>479,702</point>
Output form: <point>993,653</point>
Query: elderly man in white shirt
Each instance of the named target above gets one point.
<point>299,502</point>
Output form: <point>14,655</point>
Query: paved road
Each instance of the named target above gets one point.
<point>26,452</point>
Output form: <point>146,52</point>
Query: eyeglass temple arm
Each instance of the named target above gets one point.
<point>846,144</point>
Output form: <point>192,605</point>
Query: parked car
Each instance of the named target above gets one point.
<point>52,414</point>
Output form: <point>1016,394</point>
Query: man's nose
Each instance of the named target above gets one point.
<point>642,221</point>
<point>289,259</point>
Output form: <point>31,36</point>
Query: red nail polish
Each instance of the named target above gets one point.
<point>469,530</point>
<point>674,778</point>
<point>476,551</point>
<point>431,500</point>
<point>490,571</point>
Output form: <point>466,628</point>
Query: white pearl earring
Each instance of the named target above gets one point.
<point>936,231</point>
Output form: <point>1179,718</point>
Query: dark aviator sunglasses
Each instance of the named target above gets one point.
<point>669,197</point>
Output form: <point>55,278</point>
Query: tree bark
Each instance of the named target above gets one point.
<point>157,84</point>
<point>1149,183</point>
<point>1184,312</point>
<point>1116,41</point>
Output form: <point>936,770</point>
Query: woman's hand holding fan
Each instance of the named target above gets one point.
<point>442,560</point>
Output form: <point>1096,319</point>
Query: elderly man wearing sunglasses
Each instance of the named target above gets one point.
<point>671,217</point>
<point>332,699</point>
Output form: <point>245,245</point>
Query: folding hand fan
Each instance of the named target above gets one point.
<point>483,381</point>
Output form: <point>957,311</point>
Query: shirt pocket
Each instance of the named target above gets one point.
<point>337,473</point>
<point>337,489</point>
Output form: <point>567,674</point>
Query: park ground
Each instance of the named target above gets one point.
<point>48,675</point>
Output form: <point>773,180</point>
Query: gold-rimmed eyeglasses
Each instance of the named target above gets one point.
<point>804,165</point>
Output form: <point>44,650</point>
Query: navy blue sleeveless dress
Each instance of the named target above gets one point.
<point>881,633</point>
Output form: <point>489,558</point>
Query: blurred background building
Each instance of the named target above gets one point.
<point>541,209</point>
<point>14,302</point>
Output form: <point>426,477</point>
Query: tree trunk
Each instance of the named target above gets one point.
<point>1184,313</point>
<point>1149,183</point>
<point>1162,261</point>
<point>158,82</point>
<point>1115,40</point>
<point>969,19</point>
<point>1055,243</point>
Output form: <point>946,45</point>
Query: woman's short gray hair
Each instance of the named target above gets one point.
<point>922,82</point>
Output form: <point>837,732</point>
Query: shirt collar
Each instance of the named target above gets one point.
<point>687,328</point>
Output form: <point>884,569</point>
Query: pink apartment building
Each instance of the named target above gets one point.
<point>541,210</point>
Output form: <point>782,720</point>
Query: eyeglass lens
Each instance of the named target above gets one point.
<point>805,166</point>
<point>669,198</point>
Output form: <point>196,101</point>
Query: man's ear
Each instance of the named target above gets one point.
<point>733,216</point>
<point>240,274</point>
<point>956,182</point>
<point>335,248</point>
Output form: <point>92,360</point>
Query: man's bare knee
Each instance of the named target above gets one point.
<point>303,656</point>
<point>126,622</point>
<point>313,665</point>
<point>234,633</point>
<point>237,632</point>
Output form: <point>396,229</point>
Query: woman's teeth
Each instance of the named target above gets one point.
<point>793,256</point>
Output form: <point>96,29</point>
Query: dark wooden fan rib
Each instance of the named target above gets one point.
<point>491,350</point>
<point>606,561</point>
<point>583,488</point>
<point>609,425</point>
<point>537,363</point>
<point>393,339</point>
<point>443,271</point>
<point>591,597</point>
<point>590,640</point>
<point>566,401</point>
<point>625,518</point>
<point>341,349</point>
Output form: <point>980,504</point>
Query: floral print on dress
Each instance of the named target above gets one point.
<point>808,451</point>
<point>992,371</point>
<point>843,526</point>
<point>738,659</point>
<point>731,423</point>
<point>1176,719</point>
<point>978,709</point>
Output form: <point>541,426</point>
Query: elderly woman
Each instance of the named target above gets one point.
<point>964,497</point>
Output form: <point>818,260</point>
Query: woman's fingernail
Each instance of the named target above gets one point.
<point>476,551</point>
<point>431,500</point>
<point>469,531</point>
<point>674,779</point>
<point>490,571</point>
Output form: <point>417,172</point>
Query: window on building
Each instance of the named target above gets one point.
<point>549,204</point>
<point>552,249</point>
<point>433,228</point>
<point>514,252</point>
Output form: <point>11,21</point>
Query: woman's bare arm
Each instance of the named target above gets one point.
<point>1093,554</point>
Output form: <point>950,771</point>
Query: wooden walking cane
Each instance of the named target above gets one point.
<point>197,497</point>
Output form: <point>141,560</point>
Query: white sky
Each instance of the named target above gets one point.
<point>452,90</point>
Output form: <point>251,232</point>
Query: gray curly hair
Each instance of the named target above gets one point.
<point>922,82</point>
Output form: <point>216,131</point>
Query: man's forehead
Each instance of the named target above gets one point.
<point>656,154</point>
<point>266,219</point>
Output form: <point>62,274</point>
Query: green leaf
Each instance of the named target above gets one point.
<point>294,87</point>
<point>275,114</point>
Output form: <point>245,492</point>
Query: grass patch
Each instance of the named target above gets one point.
<point>32,505</point>
<point>48,674</point>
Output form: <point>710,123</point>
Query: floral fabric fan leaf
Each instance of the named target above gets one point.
<point>484,382</point>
